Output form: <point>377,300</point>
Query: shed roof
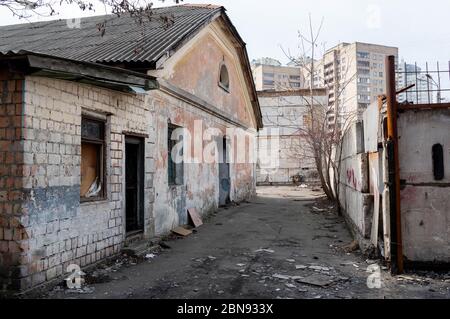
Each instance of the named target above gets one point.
<point>124,39</point>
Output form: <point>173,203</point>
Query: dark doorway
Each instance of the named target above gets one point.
<point>224,173</point>
<point>134,184</point>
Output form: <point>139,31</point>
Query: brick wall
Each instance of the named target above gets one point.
<point>12,234</point>
<point>61,230</point>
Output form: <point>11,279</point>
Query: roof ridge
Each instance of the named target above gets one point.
<point>202,5</point>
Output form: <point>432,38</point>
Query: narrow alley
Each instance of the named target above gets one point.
<point>285,243</point>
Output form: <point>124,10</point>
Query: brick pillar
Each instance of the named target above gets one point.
<point>13,238</point>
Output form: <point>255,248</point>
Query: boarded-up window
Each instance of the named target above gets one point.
<point>92,159</point>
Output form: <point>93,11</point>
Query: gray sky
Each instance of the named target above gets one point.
<point>414,26</point>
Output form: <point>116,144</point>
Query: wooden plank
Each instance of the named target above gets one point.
<point>181,231</point>
<point>195,217</point>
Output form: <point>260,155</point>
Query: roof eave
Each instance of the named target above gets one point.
<point>85,72</point>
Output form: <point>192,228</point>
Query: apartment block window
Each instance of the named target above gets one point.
<point>92,159</point>
<point>268,75</point>
<point>364,97</point>
<point>175,165</point>
<point>268,82</point>
<point>364,80</point>
<point>365,64</point>
<point>363,55</point>
<point>364,71</point>
<point>295,84</point>
<point>295,77</point>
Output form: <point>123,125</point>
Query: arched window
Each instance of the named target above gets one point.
<point>224,79</point>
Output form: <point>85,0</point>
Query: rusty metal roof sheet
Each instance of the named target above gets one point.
<point>124,39</point>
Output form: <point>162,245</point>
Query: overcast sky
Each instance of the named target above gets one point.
<point>418,28</point>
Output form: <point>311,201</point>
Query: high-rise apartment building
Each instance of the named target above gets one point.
<point>353,73</point>
<point>424,88</point>
<point>270,74</point>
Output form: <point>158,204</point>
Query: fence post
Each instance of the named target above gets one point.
<point>394,168</point>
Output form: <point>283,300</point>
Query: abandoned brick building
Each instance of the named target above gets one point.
<point>85,133</point>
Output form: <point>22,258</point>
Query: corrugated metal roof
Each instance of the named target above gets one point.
<point>125,40</point>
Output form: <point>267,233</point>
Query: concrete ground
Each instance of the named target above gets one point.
<point>275,246</point>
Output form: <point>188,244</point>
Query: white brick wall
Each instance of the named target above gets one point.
<point>62,231</point>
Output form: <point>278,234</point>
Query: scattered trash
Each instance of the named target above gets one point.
<point>149,256</point>
<point>290,285</point>
<point>290,260</point>
<point>164,245</point>
<point>319,280</point>
<point>317,209</point>
<point>212,257</point>
<point>319,268</point>
<point>353,246</point>
<point>303,186</point>
<point>84,290</point>
<point>265,250</point>
<point>300,267</point>
<point>283,277</point>
<point>240,265</point>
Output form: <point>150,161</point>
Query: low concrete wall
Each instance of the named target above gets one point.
<point>355,199</point>
<point>425,202</point>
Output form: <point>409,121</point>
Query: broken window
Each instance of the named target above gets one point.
<point>438,162</point>
<point>175,155</point>
<point>224,79</point>
<point>92,159</point>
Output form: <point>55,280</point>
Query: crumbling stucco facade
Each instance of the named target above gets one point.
<point>190,98</point>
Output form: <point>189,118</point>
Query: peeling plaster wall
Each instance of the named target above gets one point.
<point>201,180</point>
<point>59,230</point>
<point>425,202</point>
<point>194,68</point>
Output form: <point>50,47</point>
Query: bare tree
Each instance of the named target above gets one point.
<point>141,9</point>
<point>322,137</point>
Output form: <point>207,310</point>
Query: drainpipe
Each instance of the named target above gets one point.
<point>394,169</point>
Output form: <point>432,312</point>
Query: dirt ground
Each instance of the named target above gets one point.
<point>278,245</point>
